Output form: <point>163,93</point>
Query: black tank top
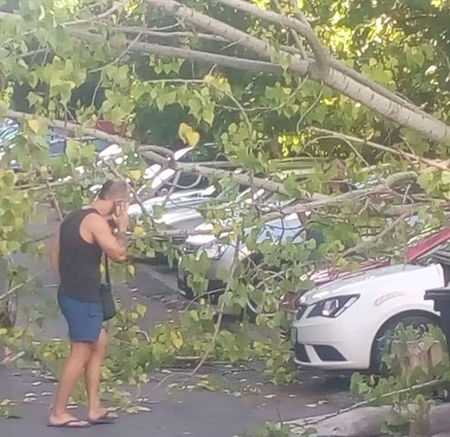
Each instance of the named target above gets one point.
<point>79,261</point>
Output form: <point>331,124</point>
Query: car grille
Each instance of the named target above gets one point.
<point>178,241</point>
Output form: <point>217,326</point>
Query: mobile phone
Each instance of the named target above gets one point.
<point>118,208</point>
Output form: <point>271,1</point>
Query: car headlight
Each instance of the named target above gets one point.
<point>215,250</point>
<point>333,307</point>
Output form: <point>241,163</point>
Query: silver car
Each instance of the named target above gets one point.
<point>221,255</point>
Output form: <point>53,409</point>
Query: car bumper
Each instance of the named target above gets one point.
<point>331,344</point>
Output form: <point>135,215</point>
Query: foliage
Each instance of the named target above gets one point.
<point>9,409</point>
<point>269,429</point>
<point>410,408</point>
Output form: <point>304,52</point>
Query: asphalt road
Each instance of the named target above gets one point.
<point>199,413</point>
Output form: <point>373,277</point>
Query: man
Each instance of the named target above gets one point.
<point>84,236</point>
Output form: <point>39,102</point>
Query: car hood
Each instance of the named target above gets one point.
<point>177,216</point>
<point>384,277</point>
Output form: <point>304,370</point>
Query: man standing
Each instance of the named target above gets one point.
<point>84,236</point>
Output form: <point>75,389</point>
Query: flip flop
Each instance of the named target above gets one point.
<point>104,419</point>
<point>68,424</point>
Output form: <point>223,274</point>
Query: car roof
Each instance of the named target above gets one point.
<point>420,249</point>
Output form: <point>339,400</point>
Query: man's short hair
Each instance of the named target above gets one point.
<point>113,189</point>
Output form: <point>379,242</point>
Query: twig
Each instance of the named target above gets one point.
<point>220,317</point>
<point>120,56</point>
<point>37,239</point>
<point>11,358</point>
<point>201,296</point>
<point>16,287</point>
<point>316,101</point>
<point>346,141</point>
<point>169,35</point>
<point>106,14</point>
<point>297,40</point>
<point>376,240</point>
<point>172,189</point>
<point>441,165</point>
<point>55,201</point>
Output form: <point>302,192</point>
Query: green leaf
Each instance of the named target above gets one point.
<point>177,339</point>
<point>141,309</point>
<point>188,135</point>
<point>445,177</point>
<point>72,150</point>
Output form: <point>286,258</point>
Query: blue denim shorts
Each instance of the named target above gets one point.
<point>84,319</point>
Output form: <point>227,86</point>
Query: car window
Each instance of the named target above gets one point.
<point>190,180</point>
<point>442,254</point>
<point>439,254</point>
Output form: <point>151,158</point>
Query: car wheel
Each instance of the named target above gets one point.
<point>384,336</point>
<point>8,311</point>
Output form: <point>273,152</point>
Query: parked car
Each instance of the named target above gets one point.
<point>221,254</point>
<point>345,323</point>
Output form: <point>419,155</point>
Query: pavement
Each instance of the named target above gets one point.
<point>174,413</point>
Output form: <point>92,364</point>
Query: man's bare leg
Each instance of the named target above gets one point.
<point>92,378</point>
<point>78,358</point>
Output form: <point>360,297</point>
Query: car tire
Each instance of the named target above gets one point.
<point>416,320</point>
<point>8,311</point>
<point>253,312</point>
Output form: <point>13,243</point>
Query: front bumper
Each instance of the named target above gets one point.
<point>332,344</point>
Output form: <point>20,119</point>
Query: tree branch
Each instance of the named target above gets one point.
<point>169,35</point>
<point>22,284</point>
<point>176,52</point>
<point>294,34</point>
<point>71,128</point>
<point>314,421</point>
<point>375,241</point>
<point>441,165</point>
<point>55,201</point>
<point>208,172</point>
<point>117,7</point>
<point>320,52</point>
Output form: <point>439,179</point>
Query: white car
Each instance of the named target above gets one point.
<point>344,323</point>
<point>221,255</point>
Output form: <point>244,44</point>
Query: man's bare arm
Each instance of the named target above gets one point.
<point>115,246</point>
<point>54,255</point>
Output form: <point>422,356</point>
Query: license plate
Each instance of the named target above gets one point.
<point>294,335</point>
